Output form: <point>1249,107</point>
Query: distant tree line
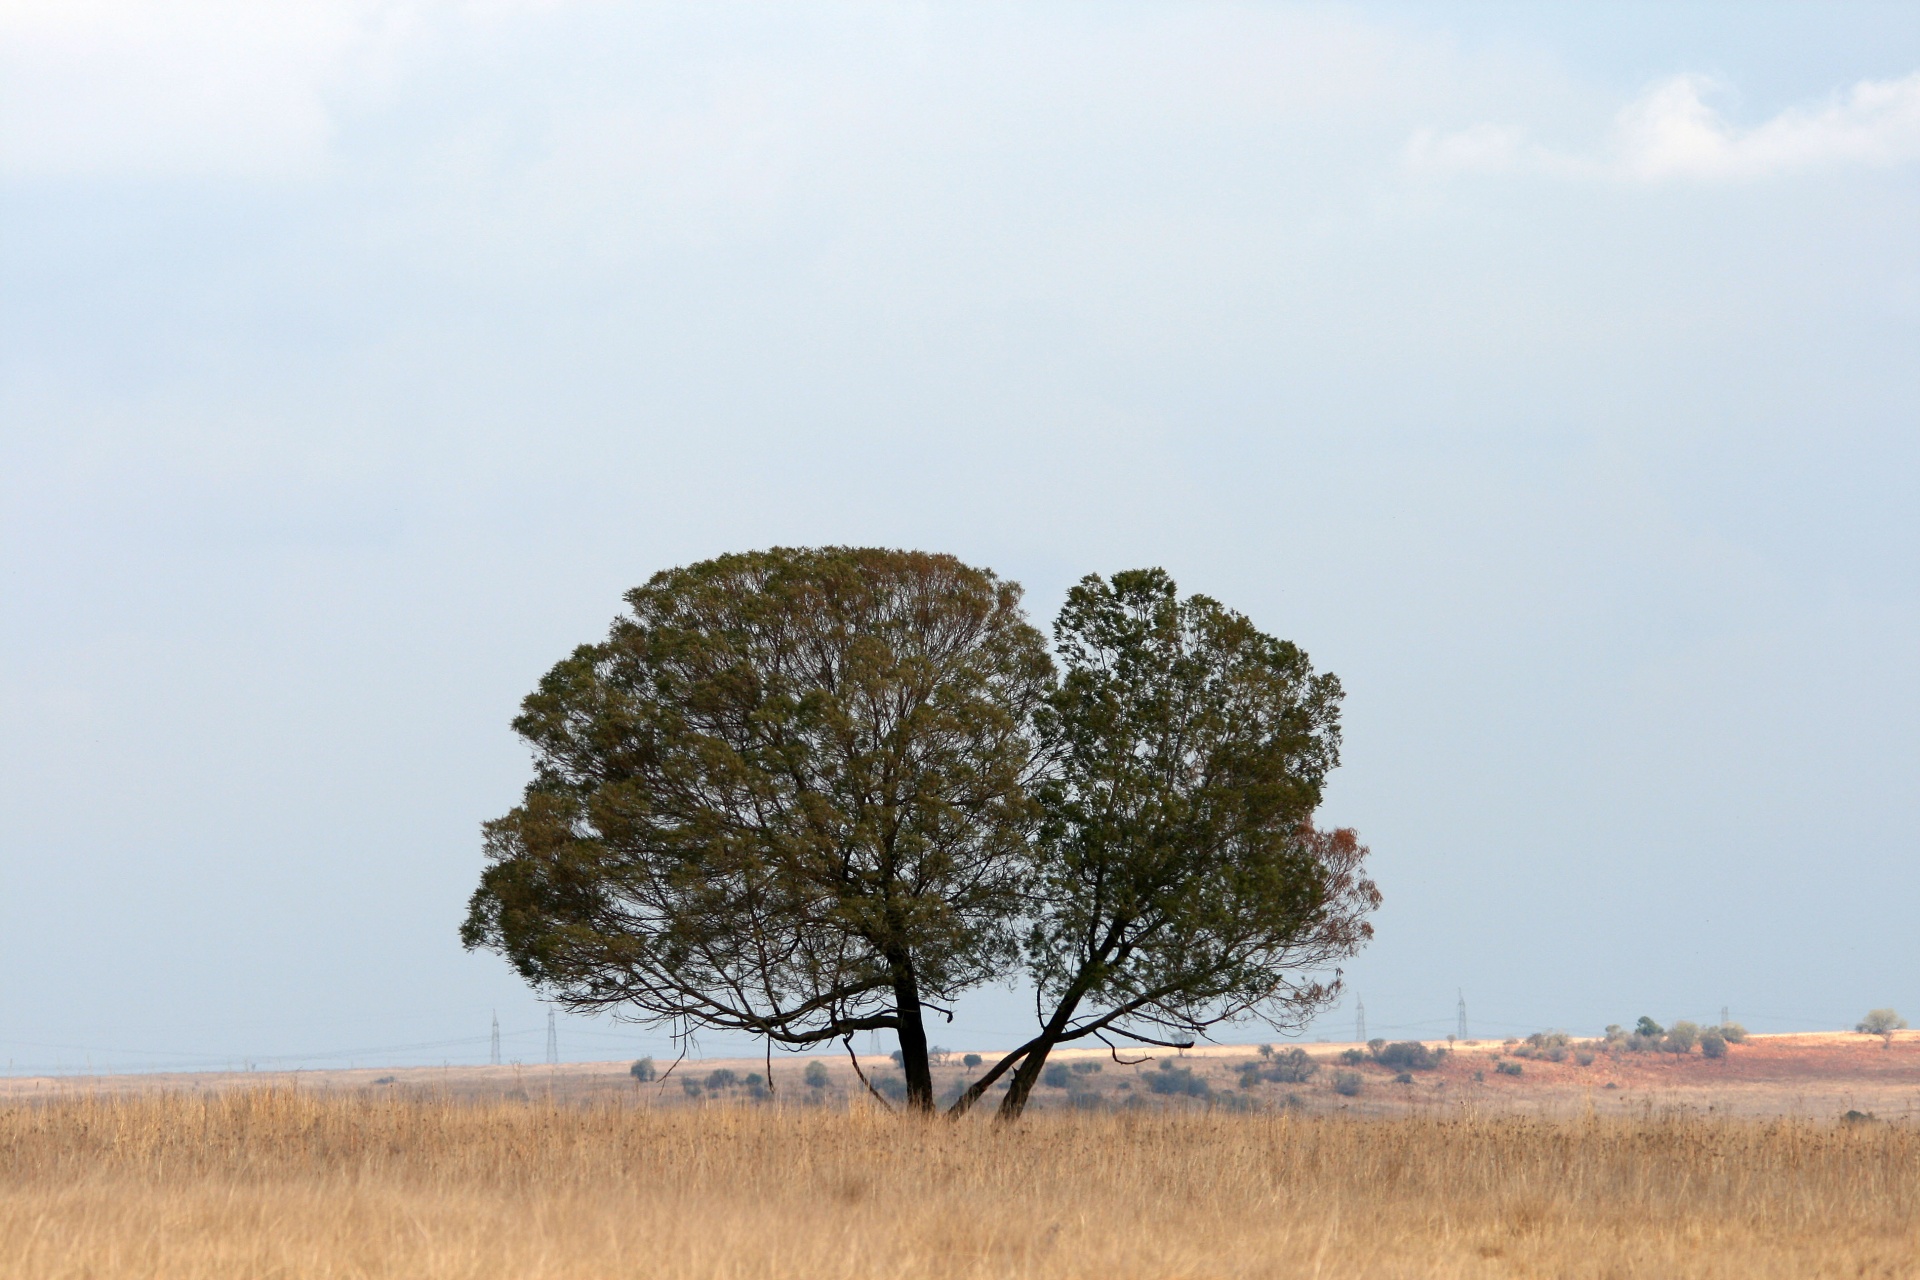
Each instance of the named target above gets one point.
<point>808,792</point>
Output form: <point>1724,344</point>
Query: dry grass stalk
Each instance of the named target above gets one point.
<point>286,1184</point>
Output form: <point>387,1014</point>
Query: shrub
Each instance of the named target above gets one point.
<point>1353,1057</point>
<point>642,1070</point>
<point>721,1078</point>
<point>937,1056</point>
<point>1375,1045</point>
<point>1086,1067</point>
<point>816,1075</point>
<point>1713,1045</point>
<point>1649,1028</point>
<point>1681,1037</point>
<point>1056,1076</point>
<point>1177,1081</point>
<point>690,1085</point>
<point>971,1061</point>
<point>1408,1055</point>
<point>890,1086</point>
<point>1881,1022</point>
<point>1266,1051</point>
<point>1405,1077</point>
<point>1732,1032</point>
<point>1584,1057</point>
<point>1292,1067</point>
<point>1508,1068</point>
<point>899,1059</point>
<point>1348,1084</point>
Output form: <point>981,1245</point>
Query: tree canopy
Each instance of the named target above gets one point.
<point>788,795</point>
<point>803,793</point>
<point>1178,879</point>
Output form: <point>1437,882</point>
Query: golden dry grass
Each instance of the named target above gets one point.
<point>280,1183</point>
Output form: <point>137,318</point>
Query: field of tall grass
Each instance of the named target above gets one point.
<point>291,1184</point>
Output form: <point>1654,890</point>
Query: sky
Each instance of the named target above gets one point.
<point>1547,372</point>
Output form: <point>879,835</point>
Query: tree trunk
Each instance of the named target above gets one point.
<point>913,1038</point>
<point>1028,1073</point>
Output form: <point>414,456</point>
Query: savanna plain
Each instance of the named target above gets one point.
<point>286,1180</point>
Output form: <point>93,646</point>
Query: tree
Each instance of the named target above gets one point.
<point>1882,1023</point>
<point>787,795</point>
<point>1179,882</point>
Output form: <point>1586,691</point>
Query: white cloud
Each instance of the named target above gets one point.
<point>196,86</point>
<point>1672,132</point>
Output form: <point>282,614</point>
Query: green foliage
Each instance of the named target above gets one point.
<point>785,796</point>
<point>971,1061</point>
<point>1681,1037</point>
<point>1508,1068</point>
<point>1056,1076</point>
<point>1177,1081</point>
<point>816,1075</point>
<point>1180,880</point>
<point>1732,1032</point>
<point>1407,1055</point>
<point>1086,1067</point>
<point>1649,1028</point>
<point>1881,1022</point>
<point>1292,1066</point>
<point>642,1070</point>
<point>721,1078</point>
<point>1713,1045</point>
<point>1354,1057</point>
<point>1348,1084</point>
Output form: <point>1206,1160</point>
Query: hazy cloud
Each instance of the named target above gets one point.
<point>1672,132</point>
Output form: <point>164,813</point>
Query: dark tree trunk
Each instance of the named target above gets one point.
<point>1028,1073</point>
<point>913,1038</point>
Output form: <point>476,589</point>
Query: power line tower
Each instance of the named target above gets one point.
<point>553,1042</point>
<point>1724,1019</point>
<point>494,1056</point>
<point>1360,1021</point>
<point>1463,1015</point>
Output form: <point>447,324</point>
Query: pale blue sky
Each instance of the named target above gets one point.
<point>1549,372</point>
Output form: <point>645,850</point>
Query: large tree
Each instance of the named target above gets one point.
<point>1179,881</point>
<point>788,795</point>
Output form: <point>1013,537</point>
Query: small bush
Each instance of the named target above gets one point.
<point>890,1086</point>
<point>1085,1067</point>
<point>1732,1032</point>
<point>1408,1055</point>
<point>1508,1068</point>
<point>1292,1067</point>
<point>642,1070</point>
<point>1353,1058</point>
<point>1584,1057</point>
<point>1649,1028</point>
<point>721,1078</point>
<point>971,1061</point>
<point>1177,1081</point>
<point>690,1085</point>
<point>1348,1084</point>
<point>1681,1037</point>
<point>1405,1077</point>
<point>1713,1045</point>
<point>1881,1022</point>
<point>1056,1076</point>
<point>816,1075</point>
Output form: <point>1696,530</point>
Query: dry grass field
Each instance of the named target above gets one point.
<point>283,1182</point>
